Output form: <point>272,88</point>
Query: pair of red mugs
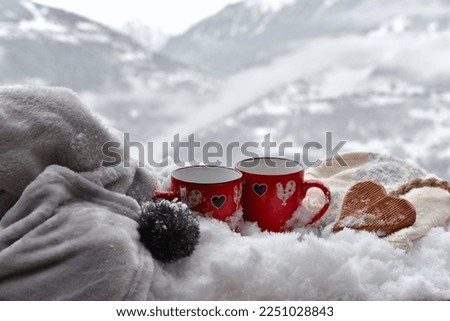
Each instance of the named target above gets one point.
<point>268,189</point>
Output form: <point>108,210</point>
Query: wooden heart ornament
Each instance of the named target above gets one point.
<point>368,207</point>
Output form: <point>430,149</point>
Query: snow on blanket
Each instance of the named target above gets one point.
<point>69,231</point>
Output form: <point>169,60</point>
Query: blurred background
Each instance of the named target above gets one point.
<point>375,73</point>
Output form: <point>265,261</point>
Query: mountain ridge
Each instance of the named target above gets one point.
<point>51,46</point>
<point>242,36</point>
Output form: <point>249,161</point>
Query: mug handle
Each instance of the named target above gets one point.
<point>326,191</point>
<point>167,195</point>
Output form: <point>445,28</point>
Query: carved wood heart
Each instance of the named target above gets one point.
<point>367,207</point>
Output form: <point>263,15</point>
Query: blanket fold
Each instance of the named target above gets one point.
<point>68,226</point>
<point>68,238</point>
<point>43,126</point>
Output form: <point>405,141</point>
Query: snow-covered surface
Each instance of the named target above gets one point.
<point>303,266</point>
<point>313,263</point>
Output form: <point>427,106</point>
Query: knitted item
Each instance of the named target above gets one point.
<point>432,204</point>
<point>420,182</point>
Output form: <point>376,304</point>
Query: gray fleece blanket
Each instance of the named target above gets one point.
<point>68,226</point>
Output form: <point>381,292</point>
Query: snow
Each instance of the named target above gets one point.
<point>357,221</point>
<point>432,27</point>
<point>329,3</point>
<point>67,38</point>
<point>373,144</point>
<point>438,116</point>
<point>380,100</point>
<point>267,6</point>
<point>446,97</point>
<point>271,109</point>
<point>39,23</point>
<point>301,265</point>
<point>340,81</point>
<point>229,122</point>
<point>133,56</point>
<point>87,26</point>
<point>134,113</point>
<point>398,25</point>
<point>311,205</point>
<point>10,14</point>
<point>320,107</point>
<point>262,131</point>
<point>310,263</point>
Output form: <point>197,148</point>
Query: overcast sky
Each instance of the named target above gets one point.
<point>169,16</point>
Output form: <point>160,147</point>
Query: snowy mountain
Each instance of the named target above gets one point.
<point>51,46</point>
<point>409,124</point>
<point>254,32</point>
<point>375,73</point>
<point>44,45</point>
<point>151,38</point>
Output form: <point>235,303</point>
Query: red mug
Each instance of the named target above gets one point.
<point>274,189</point>
<point>213,191</point>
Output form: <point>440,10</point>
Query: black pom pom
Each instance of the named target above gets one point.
<point>169,230</point>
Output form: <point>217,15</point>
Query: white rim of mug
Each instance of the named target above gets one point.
<point>299,169</point>
<point>208,166</point>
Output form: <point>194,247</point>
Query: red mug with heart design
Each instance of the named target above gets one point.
<point>213,191</point>
<point>274,189</point>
